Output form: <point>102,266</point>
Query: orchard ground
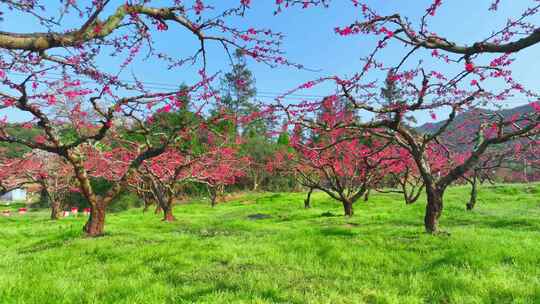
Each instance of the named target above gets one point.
<point>292,255</point>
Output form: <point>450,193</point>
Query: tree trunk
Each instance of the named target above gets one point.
<point>366,196</point>
<point>212,193</point>
<point>474,193</point>
<point>348,207</point>
<point>433,209</point>
<point>220,193</point>
<point>43,197</point>
<point>307,201</point>
<point>158,209</point>
<point>213,196</point>
<point>56,210</point>
<point>96,222</point>
<point>255,183</point>
<point>145,207</point>
<point>168,214</point>
<point>147,202</point>
<point>167,206</point>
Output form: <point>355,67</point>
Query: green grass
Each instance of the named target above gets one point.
<point>381,255</point>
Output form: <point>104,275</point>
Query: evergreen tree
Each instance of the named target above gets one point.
<point>238,87</point>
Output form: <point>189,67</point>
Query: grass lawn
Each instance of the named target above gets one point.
<point>219,255</point>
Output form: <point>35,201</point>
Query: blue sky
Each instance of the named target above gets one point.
<point>310,40</point>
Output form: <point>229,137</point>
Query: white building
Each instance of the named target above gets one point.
<point>14,196</point>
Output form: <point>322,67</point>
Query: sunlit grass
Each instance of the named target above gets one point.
<point>220,255</point>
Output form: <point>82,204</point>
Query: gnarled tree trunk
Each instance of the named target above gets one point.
<point>96,222</point>
<point>166,205</point>
<point>348,207</point>
<point>56,209</point>
<point>307,201</point>
<point>212,192</point>
<point>366,196</point>
<point>53,202</point>
<point>168,212</point>
<point>433,209</point>
<point>146,206</point>
<point>148,202</point>
<point>474,193</point>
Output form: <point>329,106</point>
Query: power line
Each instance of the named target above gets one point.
<point>166,86</point>
<point>260,94</point>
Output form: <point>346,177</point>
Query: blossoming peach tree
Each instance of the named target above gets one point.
<point>65,79</point>
<point>434,75</point>
<point>161,178</point>
<point>336,161</point>
<point>52,173</point>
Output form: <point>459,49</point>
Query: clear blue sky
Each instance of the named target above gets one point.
<point>311,41</point>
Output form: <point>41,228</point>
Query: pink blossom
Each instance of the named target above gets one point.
<point>535,106</point>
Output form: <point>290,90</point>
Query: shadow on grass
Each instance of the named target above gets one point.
<point>496,223</point>
<point>394,223</point>
<point>271,296</point>
<point>334,231</point>
<point>52,243</point>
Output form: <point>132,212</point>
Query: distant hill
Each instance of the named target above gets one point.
<point>461,134</point>
<point>471,116</point>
